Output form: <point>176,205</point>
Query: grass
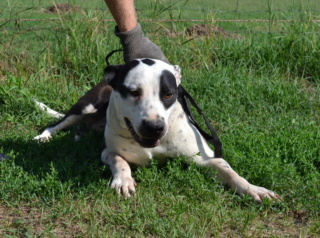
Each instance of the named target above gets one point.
<point>261,92</point>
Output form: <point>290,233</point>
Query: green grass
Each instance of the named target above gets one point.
<point>260,91</point>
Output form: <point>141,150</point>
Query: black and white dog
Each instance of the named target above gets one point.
<point>144,120</point>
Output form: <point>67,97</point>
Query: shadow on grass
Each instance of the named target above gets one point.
<point>75,161</point>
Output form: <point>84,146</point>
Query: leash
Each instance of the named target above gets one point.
<point>110,54</point>
<point>185,99</point>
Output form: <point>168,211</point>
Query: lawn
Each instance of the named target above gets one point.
<point>259,83</point>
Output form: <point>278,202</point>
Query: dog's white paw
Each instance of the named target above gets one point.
<point>124,185</point>
<point>260,193</point>
<point>44,137</point>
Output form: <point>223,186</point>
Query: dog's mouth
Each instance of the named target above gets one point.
<point>144,142</point>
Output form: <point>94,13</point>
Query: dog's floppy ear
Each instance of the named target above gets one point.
<point>110,74</point>
<point>177,74</point>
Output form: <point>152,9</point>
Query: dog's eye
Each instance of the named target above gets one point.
<point>168,96</point>
<point>135,93</point>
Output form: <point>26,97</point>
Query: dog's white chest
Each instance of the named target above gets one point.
<point>125,146</point>
<point>134,153</point>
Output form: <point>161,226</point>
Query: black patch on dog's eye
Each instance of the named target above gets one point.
<point>119,73</point>
<point>125,92</point>
<point>136,92</point>
<point>168,88</point>
<point>148,61</point>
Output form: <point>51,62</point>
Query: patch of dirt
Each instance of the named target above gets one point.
<point>290,225</point>
<point>63,7</point>
<point>4,68</point>
<point>17,221</point>
<point>281,225</point>
<point>204,30</point>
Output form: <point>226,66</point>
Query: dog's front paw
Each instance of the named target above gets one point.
<point>44,137</point>
<point>260,193</point>
<point>124,185</point>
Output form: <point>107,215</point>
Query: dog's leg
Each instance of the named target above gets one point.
<point>227,175</point>
<point>62,124</point>
<point>122,181</point>
<point>89,109</point>
<point>48,110</point>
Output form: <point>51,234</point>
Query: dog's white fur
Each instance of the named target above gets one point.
<point>48,110</point>
<point>179,136</point>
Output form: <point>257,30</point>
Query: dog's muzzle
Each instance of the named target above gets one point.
<point>150,132</point>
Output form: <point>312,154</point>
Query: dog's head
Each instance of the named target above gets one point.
<point>145,92</point>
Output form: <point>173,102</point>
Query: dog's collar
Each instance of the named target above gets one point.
<point>185,98</point>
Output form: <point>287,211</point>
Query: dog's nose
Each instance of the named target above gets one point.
<point>152,128</point>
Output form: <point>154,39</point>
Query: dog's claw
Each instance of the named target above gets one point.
<point>44,137</point>
<point>125,186</point>
<point>260,193</point>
